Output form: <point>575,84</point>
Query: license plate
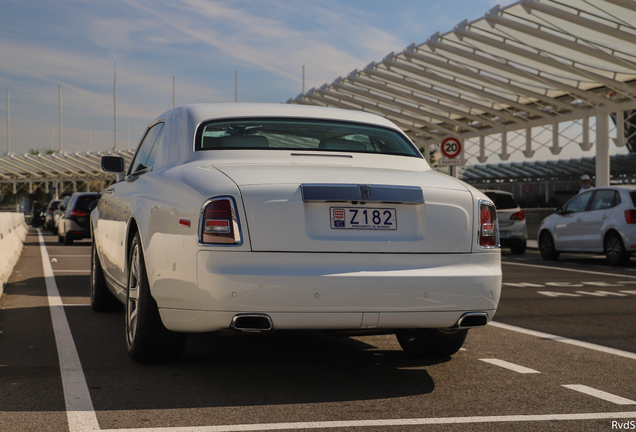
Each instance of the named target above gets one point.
<point>363,218</point>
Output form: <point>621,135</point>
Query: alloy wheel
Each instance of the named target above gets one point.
<point>133,296</point>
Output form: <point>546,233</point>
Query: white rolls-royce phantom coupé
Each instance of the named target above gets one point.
<point>263,217</point>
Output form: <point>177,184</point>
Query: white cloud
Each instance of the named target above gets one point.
<point>245,37</point>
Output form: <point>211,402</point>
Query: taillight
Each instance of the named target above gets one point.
<point>219,223</point>
<point>518,216</point>
<point>488,235</point>
<point>77,213</point>
<point>630,216</point>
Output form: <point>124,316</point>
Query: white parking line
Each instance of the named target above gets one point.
<point>567,269</point>
<point>72,271</point>
<point>510,366</point>
<point>70,256</point>
<point>600,394</point>
<point>81,414</point>
<point>587,345</point>
<point>396,422</point>
<point>79,406</point>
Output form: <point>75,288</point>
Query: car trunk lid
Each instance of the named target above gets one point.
<point>291,207</point>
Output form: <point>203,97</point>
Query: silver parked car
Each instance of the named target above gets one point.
<point>598,221</point>
<point>512,221</point>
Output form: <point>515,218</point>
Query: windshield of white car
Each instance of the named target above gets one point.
<point>302,134</point>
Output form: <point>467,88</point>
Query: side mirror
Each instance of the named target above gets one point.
<point>61,208</point>
<point>92,205</point>
<point>559,211</point>
<point>113,164</point>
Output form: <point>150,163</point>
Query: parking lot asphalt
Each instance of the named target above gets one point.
<point>561,355</point>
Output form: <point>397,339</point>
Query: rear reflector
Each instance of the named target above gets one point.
<point>488,230</point>
<point>630,216</point>
<point>219,223</point>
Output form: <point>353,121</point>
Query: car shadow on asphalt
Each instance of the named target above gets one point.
<point>283,367</point>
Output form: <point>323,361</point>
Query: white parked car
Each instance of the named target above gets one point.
<point>261,217</point>
<point>512,221</point>
<point>600,220</point>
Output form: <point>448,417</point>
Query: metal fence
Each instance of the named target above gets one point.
<point>534,216</point>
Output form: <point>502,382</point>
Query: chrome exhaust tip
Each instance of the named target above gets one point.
<point>472,320</point>
<point>254,323</point>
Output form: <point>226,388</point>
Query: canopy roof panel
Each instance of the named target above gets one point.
<point>57,166</point>
<point>533,63</point>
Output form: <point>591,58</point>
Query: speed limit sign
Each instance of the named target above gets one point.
<point>451,147</point>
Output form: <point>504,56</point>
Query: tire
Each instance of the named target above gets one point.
<point>431,342</point>
<point>60,239</point>
<point>546,247</point>
<point>614,249</point>
<point>102,300</point>
<point>518,249</point>
<point>68,240</point>
<point>147,339</point>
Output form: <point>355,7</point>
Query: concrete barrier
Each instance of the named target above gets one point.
<point>13,231</point>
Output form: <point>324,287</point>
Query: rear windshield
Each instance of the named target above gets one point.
<point>83,201</point>
<point>502,201</point>
<point>633,195</point>
<point>302,135</point>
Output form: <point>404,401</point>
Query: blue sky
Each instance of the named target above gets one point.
<point>75,43</point>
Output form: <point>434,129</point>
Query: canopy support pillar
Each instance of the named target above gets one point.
<point>602,148</point>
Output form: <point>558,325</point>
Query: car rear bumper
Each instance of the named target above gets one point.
<point>204,321</point>
<point>76,231</point>
<point>340,291</point>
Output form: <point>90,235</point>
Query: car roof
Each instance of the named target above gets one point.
<point>198,113</point>
<point>181,123</point>
<point>497,191</point>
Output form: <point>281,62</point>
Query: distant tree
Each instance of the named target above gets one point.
<point>38,151</point>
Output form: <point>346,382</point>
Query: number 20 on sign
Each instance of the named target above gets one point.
<point>451,147</point>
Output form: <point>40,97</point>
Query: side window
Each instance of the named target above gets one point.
<point>578,203</point>
<point>604,199</point>
<point>140,162</point>
<point>155,148</point>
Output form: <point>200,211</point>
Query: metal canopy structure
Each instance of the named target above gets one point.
<point>536,63</point>
<point>45,170</point>
<point>622,167</point>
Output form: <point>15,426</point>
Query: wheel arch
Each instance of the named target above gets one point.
<point>544,230</point>
<point>133,228</point>
<point>609,231</point>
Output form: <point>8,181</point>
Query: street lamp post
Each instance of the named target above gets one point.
<point>8,126</point>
